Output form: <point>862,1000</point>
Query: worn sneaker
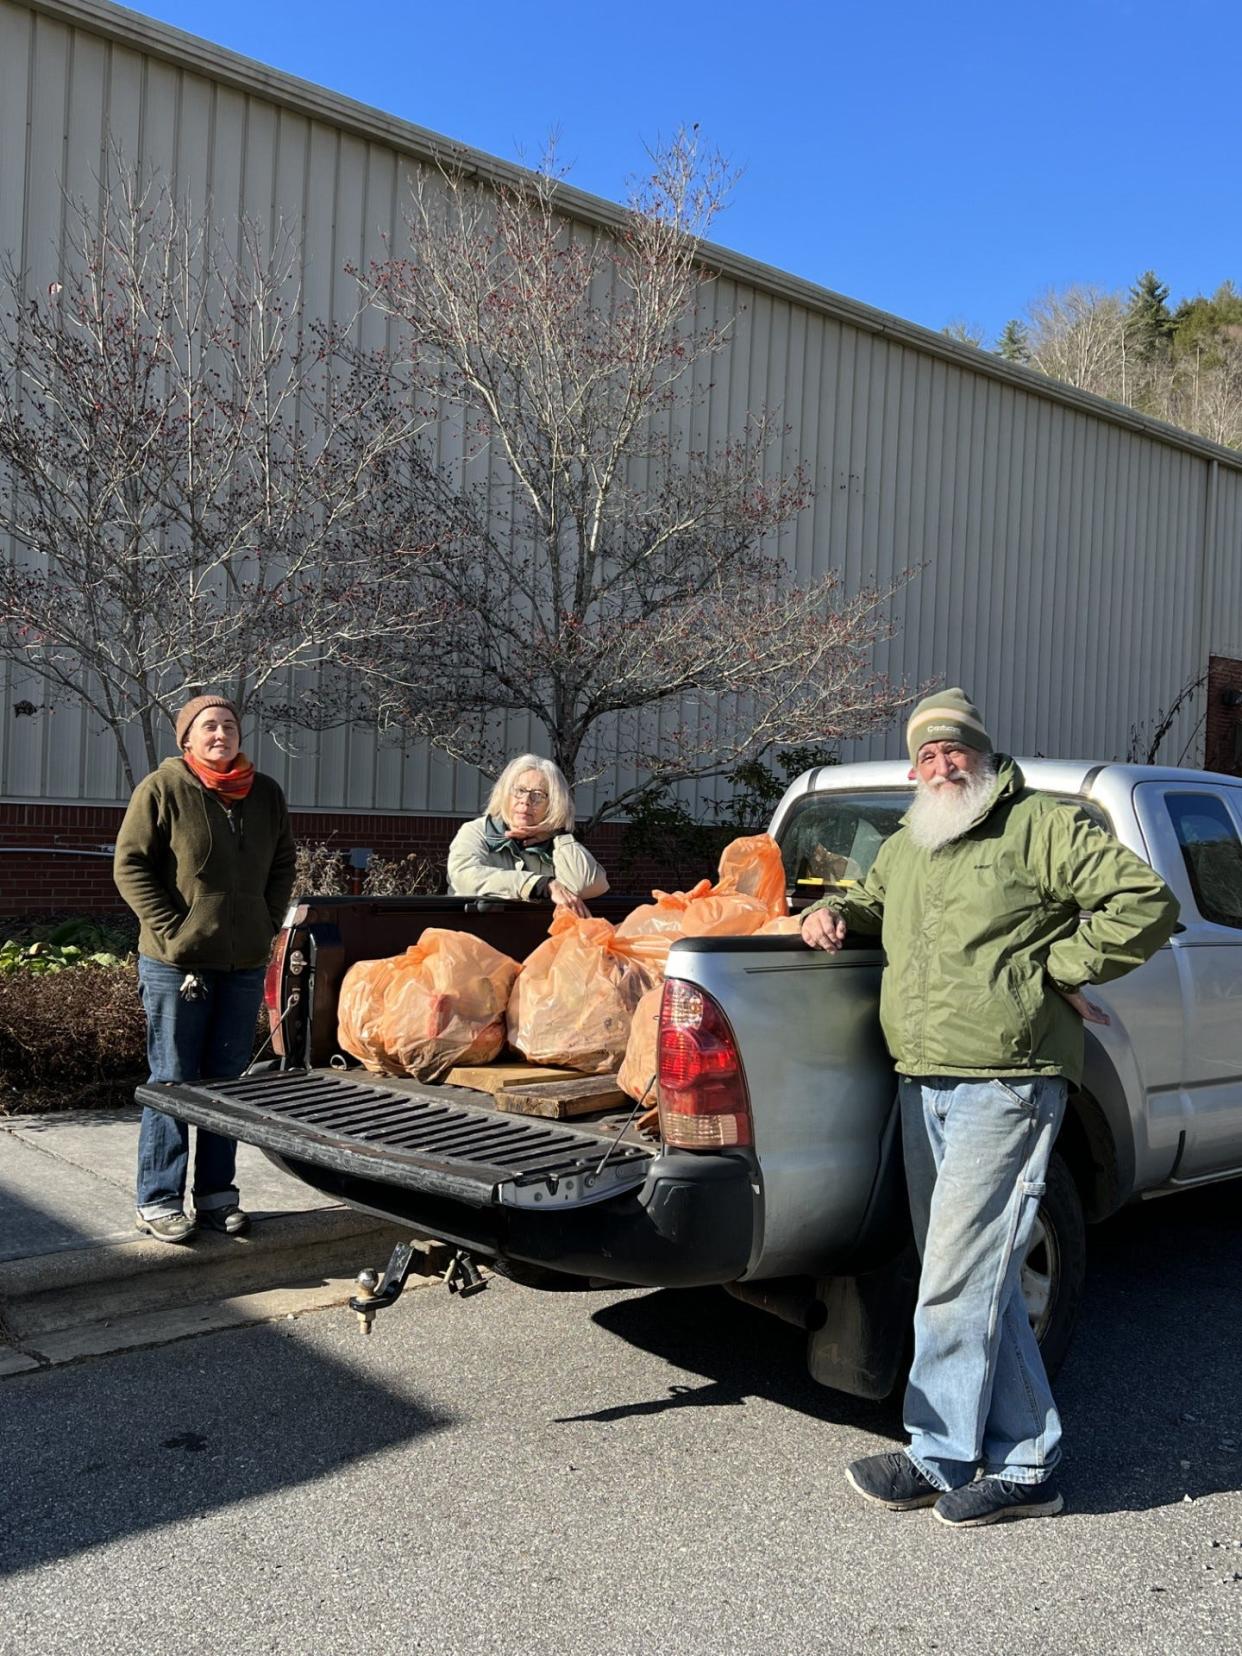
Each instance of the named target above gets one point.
<point>231,1220</point>
<point>167,1227</point>
<point>994,1500</point>
<point>893,1481</point>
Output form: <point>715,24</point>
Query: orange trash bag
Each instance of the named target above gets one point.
<point>573,1003</point>
<point>638,1068</point>
<point>360,1010</point>
<point>439,1004</point>
<point>786,925</point>
<point>752,867</point>
<point>749,892</point>
<point>646,932</point>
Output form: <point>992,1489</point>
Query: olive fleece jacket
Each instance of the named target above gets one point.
<point>209,883</point>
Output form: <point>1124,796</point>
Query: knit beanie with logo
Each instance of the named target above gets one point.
<point>946,716</point>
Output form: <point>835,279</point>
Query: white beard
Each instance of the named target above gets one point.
<point>944,811</point>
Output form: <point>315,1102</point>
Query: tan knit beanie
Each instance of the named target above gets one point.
<point>946,716</point>
<point>197,705</point>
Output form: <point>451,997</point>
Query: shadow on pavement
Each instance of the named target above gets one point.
<point>742,1353</point>
<point>163,1436</point>
<point>1154,1376</point>
<point>1153,1379</point>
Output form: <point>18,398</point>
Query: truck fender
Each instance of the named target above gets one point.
<point>1097,1136</point>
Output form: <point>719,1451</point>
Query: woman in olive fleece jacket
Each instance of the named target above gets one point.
<point>205,858</point>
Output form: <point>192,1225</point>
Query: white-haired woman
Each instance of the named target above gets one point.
<point>524,846</point>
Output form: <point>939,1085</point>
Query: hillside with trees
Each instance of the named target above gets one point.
<point>1181,363</point>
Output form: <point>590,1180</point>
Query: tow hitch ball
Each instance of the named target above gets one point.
<point>376,1294</point>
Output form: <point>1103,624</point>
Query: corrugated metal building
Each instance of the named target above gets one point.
<point>1082,562</point>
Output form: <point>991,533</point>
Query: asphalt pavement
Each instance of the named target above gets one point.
<point>615,1473</point>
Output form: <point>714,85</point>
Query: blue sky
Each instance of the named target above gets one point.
<point>945,162</point>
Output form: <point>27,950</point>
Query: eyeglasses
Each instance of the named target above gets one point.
<point>535,795</point>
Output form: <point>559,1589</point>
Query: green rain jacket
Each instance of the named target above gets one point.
<point>980,931</point>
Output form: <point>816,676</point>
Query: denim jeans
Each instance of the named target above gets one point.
<point>976,1155</point>
<point>192,1040</point>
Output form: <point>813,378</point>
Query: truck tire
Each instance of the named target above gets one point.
<point>1055,1264</point>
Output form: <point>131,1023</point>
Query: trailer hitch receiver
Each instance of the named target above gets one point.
<point>376,1294</point>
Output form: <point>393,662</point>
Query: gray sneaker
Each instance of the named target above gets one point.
<point>167,1227</point>
<point>230,1220</point>
<point>892,1481</point>
<point>995,1501</point>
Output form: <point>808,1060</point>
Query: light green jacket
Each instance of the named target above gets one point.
<point>480,867</point>
<point>978,932</point>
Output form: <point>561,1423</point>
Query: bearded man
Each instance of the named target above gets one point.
<point>997,906</point>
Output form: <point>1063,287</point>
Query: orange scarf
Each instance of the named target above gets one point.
<point>234,783</point>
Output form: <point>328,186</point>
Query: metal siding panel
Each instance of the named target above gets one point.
<point>16,48</point>
<point>31,741</point>
<point>194,143</point>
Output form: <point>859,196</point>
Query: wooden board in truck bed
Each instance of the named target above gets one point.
<point>490,1078</point>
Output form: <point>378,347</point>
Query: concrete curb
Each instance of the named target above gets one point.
<point>139,1255</point>
<point>125,1279</point>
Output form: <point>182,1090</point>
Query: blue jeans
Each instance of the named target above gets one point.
<point>192,1040</point>
<point>976,1155</point>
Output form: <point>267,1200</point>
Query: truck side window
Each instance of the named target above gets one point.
<point>1212,853</point>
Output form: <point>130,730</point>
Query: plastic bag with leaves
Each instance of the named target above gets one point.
<point>575,999</point>
<point>439,1004</point>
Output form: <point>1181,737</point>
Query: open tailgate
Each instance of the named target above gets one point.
<point>449,1141</point>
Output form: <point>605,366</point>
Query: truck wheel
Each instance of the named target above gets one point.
<point>1055,1265</point>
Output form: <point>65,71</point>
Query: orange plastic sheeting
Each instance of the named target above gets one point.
<point>638,1068</point>
<point>576,996</point>
<point>752,867</point>
<point>439,1004</point>
<point>749,893</point>
<point>788,925</point>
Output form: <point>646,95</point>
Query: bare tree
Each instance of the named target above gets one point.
<point>1088,339</point>
<point>202,487</point>
<point>627,592</point>
<point>1078,335</point>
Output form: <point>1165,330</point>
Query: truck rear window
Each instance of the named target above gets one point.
<point>832,839</point>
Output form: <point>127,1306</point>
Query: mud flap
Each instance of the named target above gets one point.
<point>864,1343</point>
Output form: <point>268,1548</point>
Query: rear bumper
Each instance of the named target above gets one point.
<point>578,1203</point>
<point>689,1224</point>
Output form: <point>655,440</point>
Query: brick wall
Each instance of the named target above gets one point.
<point>59,857</point>
<point>1222,741</point>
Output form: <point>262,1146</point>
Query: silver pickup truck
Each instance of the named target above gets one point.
<point>778,1170</point>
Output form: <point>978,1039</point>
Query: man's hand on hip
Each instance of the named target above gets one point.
<point>824,929</point>
<point>1087,1010</point>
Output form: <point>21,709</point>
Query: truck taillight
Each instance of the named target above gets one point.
<point>703,1099</point>
<point>271,988</point>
